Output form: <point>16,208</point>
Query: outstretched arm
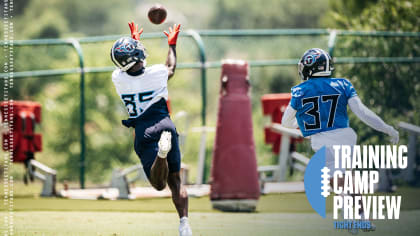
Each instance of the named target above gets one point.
<point>171,59</point>
<point>371,119</point>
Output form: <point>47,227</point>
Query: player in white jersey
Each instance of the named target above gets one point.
<point>144,91</point>
<point>319,107</point>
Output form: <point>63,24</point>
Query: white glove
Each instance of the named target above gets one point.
<point>395,136</point>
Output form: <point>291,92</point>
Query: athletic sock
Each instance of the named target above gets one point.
<point>183,220</point>
<point>162,155</point>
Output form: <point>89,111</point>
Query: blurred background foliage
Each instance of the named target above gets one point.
<point>391,90</point>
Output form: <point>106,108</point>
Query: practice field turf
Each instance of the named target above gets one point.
<point>279,214</point>
<point>138,223</point>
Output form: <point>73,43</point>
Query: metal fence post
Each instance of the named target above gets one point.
<point>413,131</point>
<point>200,44</point>
<point>75,43</point>
<point>201,168</point>
<point>331,42</point>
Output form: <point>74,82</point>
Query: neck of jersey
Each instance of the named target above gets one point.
<point>136,73</point>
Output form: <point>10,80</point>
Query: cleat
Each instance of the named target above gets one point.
<point>184,228</point>
<point>164,144</point>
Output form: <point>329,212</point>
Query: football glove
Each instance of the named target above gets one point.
<point>173,34</point>
<point>135,33</point>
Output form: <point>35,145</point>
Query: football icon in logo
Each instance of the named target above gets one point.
<point>316,182</point>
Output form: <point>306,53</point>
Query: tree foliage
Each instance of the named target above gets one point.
<point>390,89</point>
<point>239,14</point>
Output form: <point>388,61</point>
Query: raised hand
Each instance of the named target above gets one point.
<point>135,33</point>
<point>173,34</point>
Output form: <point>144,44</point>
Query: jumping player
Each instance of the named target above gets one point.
<point>144,92</point>
<point>319,107</point>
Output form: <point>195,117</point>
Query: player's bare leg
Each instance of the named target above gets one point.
<point>180,200</point>
<point>159,171</point>
<point>179,194</point>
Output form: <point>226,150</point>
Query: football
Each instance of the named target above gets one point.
<point>157,14</point>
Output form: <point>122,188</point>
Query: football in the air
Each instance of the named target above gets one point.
<point>157,14</point>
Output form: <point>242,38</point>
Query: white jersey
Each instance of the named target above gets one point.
<point>139,92</point>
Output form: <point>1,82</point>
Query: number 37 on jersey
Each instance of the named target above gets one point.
<point>321,104</point>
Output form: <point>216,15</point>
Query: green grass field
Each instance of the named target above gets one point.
<point>278,214</point>
<point>202,223</point>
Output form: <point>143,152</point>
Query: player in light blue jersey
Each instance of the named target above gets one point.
<point>319,107</point>
<point>321,104</point>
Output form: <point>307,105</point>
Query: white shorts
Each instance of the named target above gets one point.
<point>344,136</point>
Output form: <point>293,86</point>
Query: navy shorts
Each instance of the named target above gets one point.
<point>148,128</point>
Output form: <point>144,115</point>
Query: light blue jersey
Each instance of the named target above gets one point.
<point>321,104</point>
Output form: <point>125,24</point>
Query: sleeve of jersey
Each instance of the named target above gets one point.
<point>289,118</point>
<point>349,89</point>
<point>368,116</point>
<point>296,93</point>
<point>114,75</point>
<point>162,71</point>
<point>115,80</point>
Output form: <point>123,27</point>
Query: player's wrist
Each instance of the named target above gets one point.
<point>391,131</point>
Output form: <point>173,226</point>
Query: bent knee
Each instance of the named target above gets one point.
<point>159,186</point>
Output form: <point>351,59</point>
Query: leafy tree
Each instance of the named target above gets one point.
<point>390,89</point>
<point>341,12</point>
<point>237,14</point>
